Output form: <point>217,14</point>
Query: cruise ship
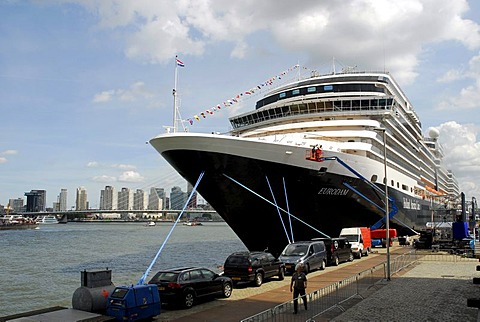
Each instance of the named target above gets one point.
<point>314,156</point>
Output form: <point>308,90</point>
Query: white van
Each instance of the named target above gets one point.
<point>360,239</point>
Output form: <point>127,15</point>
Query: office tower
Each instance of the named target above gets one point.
<point>36,200</point>
<point>156,199</point>
<point>108,198</point>
<point>62,200</point>
<point>193,201</point>
<point>177,198</point>
<point>16,205</point>
<point>81,202</point>
<point>139,200</point>
<point>125,199</point>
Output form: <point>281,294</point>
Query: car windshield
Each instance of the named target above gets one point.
<point>164,277</point>
<point>295,250</point>
<point>351,238</point>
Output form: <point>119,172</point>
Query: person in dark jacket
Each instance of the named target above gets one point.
<point>298,286</point>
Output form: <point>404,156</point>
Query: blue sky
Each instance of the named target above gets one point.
<point>84,84</point>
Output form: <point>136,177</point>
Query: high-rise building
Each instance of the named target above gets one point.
<point>108,198</point>
<point>81,202</point>
<point>16,205</point>
<point>156,199</point>
<point>61,201</point>
<point>36,200</point>
<point>192,203</point>
<point>177,198</point>
<point>125,199</point>
<point>139,200</point>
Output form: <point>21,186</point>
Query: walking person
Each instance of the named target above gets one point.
<point>298,286</point>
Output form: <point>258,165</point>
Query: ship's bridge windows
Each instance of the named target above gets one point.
<point>295,92</point>
<point>282,95</point>
<point>374,178</point>
<point>328,88</point>
<point>311,89</point>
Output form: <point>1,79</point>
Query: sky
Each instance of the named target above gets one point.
<point>84,85</point>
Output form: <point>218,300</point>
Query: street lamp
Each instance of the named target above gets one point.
<point>387,221</point>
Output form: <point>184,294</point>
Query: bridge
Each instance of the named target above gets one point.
<point>81,213</point>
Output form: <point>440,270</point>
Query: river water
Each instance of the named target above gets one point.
<point>41,267</point>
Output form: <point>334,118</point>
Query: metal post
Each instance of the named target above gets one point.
<point>387,220</point>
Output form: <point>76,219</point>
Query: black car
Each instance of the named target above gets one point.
<point>338,250</point>
<point>253,267</point>
<point>183,286</point>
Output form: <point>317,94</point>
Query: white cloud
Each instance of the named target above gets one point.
<point>93,164</point>
<point>135,92</point>
<point>385,31</point>
<point>124,166</point>
<point>104,178</point>
<point>469,96</point>
<point>131,176</point>
<point>9,152</point>
<point>3,159</point>
<point>462,153</point>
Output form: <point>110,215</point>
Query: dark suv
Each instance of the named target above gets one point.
<point>253,267</point>
<point>182,286</point>
<point>338,250</point>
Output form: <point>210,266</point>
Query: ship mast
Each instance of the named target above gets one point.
<point>174,127</point>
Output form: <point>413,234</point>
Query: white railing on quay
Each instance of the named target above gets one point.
<point>333,296</point>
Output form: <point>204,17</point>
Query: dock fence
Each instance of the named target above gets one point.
<point>333,296</point>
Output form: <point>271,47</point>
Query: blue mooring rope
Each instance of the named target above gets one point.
<point>141,281</point>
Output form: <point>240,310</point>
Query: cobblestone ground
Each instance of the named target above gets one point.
<point>431,291</point>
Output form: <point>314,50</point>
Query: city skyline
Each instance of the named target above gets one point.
<point>119,199</point>
<point>85,84</point>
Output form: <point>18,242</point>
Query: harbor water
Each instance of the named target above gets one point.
<point>41,267</point>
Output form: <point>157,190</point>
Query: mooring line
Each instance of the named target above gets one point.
<point>141,281</point>
<point>278,210</point>
<point>300,220</point>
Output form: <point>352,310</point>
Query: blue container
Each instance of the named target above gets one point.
<point>132,303</point>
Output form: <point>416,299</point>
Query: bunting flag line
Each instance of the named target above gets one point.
<point>234,100</point>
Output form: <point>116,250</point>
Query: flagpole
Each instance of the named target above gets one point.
<point>175,98</point>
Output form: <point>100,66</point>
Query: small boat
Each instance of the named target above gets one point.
<point>17,222</point>
<point>49,219</point>
<point>192,223</point>
<point>151,224</point>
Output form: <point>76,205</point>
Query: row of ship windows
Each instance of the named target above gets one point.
<point>335,88</point>
<point>392,183</point>
<point>311,108</point>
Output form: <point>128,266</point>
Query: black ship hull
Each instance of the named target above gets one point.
<point>245,192</point>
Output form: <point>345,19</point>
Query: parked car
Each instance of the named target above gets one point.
<point>312,254</point>
<point>183,286</point>
<point>253,267</point>
<point>338,250</point>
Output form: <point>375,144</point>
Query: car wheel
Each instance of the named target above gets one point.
<point>366,252</point>
<point>281,274</point>
<point>336,261</point>
<point>324,264</point>
<point>188,299</point>
<point>226,290</point>
<point>258,279</point>
<point>306,268</point>
<point>350,257</point>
